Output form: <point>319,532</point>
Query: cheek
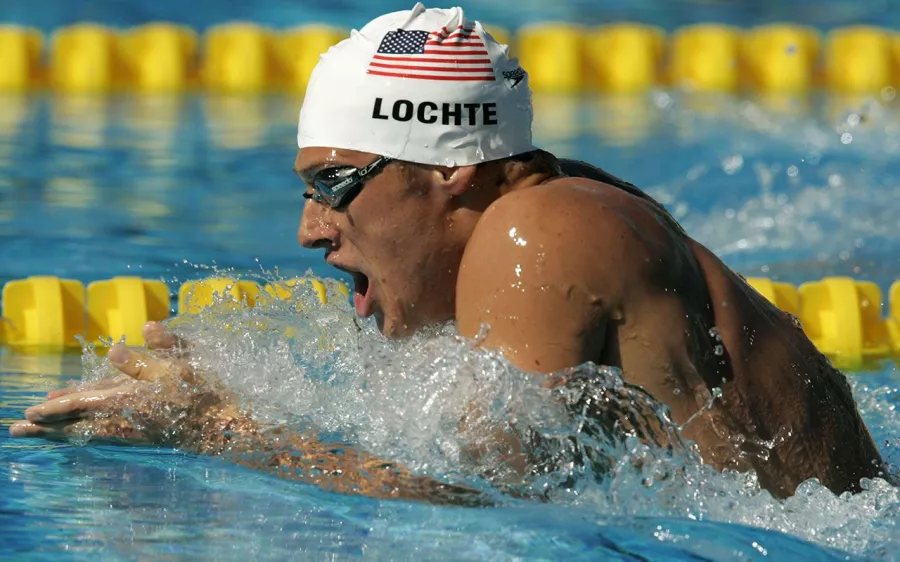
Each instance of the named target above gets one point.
<point>400,232</point>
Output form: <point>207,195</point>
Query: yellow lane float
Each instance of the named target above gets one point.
<point>118,308</point>
<point>552,54</point>
<point>159,57</point>
<point>841,316</point>
<point>84,59</point>
<point>858,59</point>
<point>705,58</point>
<point>782,295</point>
<point>560,57</point>
<point>194,296</point>
<point>893,321</point>
<point>780,58</point>
<point>239,58</point>
<point>43,311</point>
<point>843,319</point>
<point>20,57</point>
<point>624,58</point>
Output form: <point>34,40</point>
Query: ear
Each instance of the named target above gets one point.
<point>454,181</point>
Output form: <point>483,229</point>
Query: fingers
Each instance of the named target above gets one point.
<point>158,337</point>
<point>137,364</point>
<point>75,405</point>
<point>113,431</point>
<point>108,382</point>
<point>143,367</point>
<point>60,392</point>
<point>54,431</point>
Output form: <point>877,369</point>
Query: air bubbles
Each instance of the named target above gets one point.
<point>432,403</point>
<point>662,99</point>
<point>733,164</point>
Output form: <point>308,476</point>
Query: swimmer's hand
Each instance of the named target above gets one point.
<point>157,399</point>
<point>153,400</point>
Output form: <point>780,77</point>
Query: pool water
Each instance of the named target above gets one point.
<point>179,188</point>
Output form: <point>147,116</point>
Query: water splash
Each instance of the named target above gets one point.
<point>811,187</point>
<point>441,406</point>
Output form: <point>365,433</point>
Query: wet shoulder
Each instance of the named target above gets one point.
<point>583,209</point>
<point>555,210</point>
<point>579,231</point>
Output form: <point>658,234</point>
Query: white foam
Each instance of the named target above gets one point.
<point>824,180</point>
<point>405,401</point>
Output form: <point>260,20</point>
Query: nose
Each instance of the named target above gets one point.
<point>317,230</point>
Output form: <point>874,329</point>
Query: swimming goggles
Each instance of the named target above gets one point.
<point>338,186</point>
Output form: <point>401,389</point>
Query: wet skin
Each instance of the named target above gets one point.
<point>563,270</point>
<point>573,270</point>
<point>566,270</point>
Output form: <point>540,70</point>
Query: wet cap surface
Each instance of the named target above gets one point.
<point>421,85</point>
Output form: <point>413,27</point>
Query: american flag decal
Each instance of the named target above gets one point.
<point>438,55</point>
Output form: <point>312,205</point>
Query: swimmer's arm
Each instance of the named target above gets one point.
<point>331,466</point>
<point>545,269</point>
<point>161,401</point>
<point>224,432</point>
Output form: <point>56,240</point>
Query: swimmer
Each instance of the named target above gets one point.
<point>422,183</point>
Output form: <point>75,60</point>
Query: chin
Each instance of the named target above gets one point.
<point>393,328</point>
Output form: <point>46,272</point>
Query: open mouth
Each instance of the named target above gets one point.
<point>360,283</point>
<point>362,294</point>
<point>363,300</point>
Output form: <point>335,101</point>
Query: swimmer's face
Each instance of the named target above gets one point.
<point>398,238</point>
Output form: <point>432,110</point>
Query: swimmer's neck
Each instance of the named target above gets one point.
<point>524,182</point>
<point>523,177</point>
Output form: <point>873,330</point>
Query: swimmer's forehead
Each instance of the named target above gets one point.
<point>314,158</point>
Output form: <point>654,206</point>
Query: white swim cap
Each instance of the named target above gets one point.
<point>423,85</point>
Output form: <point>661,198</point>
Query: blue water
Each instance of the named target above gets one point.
<point>173,188</point>
<point>178,187</point>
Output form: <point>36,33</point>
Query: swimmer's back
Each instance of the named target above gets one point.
<point>777,387</point>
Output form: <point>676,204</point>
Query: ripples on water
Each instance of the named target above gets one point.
<point>404,401</point>
<point>776,189</point>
